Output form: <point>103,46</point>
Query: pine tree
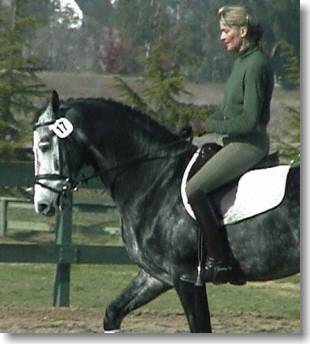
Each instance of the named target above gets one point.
<point>163,86</point>
<point>19,85</point>
<point>288,139</point>
<point>286,64</point>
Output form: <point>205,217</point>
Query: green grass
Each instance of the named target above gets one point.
<point>280,299</point>
<point>94,286</point>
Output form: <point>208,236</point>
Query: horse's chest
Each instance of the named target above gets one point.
<point>147,222</point>
<point>139,237</point>
<point>131,237</point>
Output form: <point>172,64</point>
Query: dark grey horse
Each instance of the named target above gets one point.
<point>142,163</point>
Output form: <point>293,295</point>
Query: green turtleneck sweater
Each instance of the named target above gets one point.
<point>247,97</point>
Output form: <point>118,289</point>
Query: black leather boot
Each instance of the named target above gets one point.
<point>217,268</point>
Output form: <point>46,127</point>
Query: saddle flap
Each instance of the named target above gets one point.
<point>255,192</point>
<point>258,191</point>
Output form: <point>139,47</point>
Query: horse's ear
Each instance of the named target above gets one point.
<point>55,102</point>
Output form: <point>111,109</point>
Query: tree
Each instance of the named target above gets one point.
<point>134,20</point>
<point>19,84</point>
<point>287,139</point>
<point>164,83</point>
<point>286,64</point>
<point>97,18</point>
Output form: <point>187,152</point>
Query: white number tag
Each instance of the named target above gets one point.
<point>62,128</point>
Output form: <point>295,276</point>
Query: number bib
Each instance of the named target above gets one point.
<point>62,128</point>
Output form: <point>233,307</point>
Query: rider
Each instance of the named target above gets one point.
<point>242,121</point>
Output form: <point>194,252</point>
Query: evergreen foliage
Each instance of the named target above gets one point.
<point>288,140</point>
<point>286,64</point>
<point>116,35</point>
<point>163,84</point>
<point>19,85</point>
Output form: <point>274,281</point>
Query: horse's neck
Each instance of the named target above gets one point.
<point>138,151</point>
<point>149,179</point>
<point>132,136</point>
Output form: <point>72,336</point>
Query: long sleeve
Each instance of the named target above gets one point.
<point>247,97</point>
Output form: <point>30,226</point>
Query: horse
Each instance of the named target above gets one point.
<point>142,163</point>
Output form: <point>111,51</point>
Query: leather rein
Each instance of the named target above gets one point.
<point>70,184</point>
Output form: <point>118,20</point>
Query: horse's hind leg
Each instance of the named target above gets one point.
<point>142,289</point>
<point>195,304</point>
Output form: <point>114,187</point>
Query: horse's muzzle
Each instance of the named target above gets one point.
<point>46,209</point>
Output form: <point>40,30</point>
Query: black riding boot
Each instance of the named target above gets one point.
<point>217,268</point>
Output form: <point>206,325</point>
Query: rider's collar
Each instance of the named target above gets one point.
<point>248,50</point>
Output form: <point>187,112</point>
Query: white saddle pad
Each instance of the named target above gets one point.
<point>258,191</point>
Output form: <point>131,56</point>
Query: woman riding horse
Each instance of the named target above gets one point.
<point>242,121</point>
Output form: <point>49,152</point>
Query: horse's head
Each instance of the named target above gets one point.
<point>52,161</point>
<point>107,135</point>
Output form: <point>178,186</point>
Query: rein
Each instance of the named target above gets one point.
<point>138,159</point>
<point>72,185</point>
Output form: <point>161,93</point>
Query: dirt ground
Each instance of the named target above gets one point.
<point>81,321</point>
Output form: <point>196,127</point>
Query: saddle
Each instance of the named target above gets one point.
<point>208,150</point>
<point>225,198</point>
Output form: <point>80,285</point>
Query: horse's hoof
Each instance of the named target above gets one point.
<point>112,331</point>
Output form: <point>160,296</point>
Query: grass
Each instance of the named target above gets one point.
<point>95,286</point>
<point>267,299</point>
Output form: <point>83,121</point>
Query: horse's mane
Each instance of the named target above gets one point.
<point>131,113</point>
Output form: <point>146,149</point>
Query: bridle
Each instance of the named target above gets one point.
<point>70,184</point>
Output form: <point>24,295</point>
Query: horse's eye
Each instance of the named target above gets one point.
<point>44,146</point>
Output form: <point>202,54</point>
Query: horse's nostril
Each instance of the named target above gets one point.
<point>46,209</point>
<point>42,207</point>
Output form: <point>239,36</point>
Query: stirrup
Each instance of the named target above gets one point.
<point>224,273</point>
<point>217,272</point>
<point>214,272</point>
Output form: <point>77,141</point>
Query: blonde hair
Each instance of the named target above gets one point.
<point>237,16</point>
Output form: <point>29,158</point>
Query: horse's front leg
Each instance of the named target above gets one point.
<point>195,304</point>
<point>142,289</point>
